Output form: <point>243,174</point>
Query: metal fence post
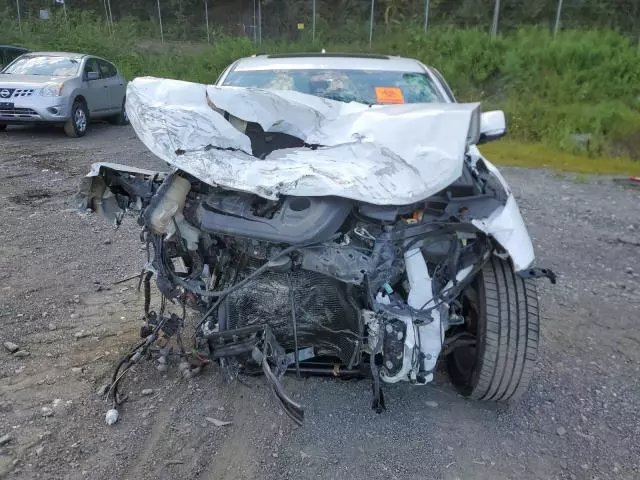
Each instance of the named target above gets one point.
<point>371,23</point>
<point>255,28</point>
<point>206,18</point>
<point>106,14</point>
<point>313,21</point>
<point>19,19</point>
<point>110,14</point>
<point>160,21</point>
<point>259,22</point>
<point>426,14</point>
<point>66,19</point>
<point>496,16</point>
<point>558,13</point>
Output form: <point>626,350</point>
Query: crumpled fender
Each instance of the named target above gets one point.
<point>506,224</point>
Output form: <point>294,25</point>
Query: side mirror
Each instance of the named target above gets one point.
<point>493,125</point>
<point>93,76</point>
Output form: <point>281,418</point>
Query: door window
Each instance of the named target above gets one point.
<point>91,66</point>
<point>107,70</point>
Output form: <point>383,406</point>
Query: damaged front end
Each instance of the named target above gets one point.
<point>314,284</point>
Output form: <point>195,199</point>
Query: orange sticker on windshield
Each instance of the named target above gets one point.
<point>389,95</point>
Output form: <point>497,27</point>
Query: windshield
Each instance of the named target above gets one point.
<point>44,65</point>
<point>370,87</point>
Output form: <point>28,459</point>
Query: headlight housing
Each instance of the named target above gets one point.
<point>52,90</point>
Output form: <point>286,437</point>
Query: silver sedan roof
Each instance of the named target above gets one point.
<point>57,54</point>
<point>304,61</point>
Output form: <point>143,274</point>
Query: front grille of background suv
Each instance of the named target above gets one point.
<point>23,92</point>
<point>18,113</point>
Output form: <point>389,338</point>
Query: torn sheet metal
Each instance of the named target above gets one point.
<point>381,154</point>
<point>507,226</point>
<point>95,192</point>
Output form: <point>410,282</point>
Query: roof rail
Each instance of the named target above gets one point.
<point>324,54</point>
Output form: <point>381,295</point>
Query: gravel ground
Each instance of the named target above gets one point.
<point>58,305</point>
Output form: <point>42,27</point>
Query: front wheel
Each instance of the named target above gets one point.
<point>77,125</point>
<point>501,310</point>
<point>3,126</point>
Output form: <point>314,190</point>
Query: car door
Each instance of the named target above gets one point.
<point>115,84</point>
<point>96,90</point>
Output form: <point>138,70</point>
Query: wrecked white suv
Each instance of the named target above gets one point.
<point>327,214</point>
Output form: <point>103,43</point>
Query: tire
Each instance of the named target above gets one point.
<point>3,126</point>
<point>78,124</point>
<point>507,328</point>
<point>121,118</point>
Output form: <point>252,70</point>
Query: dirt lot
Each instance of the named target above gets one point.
<point>580,418</point>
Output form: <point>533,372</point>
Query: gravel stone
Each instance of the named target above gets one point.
<point>11,347</point>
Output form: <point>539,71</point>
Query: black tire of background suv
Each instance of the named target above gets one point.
<point>508,332</point>
<point>70,127</point>
<point>3,126</point>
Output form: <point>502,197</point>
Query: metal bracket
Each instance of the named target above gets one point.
<point>539,273</point>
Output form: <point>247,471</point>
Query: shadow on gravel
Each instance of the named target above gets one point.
<point>18,132</point>
<point>31,197</point>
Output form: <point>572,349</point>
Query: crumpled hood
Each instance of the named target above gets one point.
<point>386,155</point>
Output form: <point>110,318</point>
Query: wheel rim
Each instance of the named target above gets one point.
<point>80,119</point>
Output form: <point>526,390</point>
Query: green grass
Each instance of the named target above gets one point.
<point>531,155</point>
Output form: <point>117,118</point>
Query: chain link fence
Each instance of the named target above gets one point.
<point>333,20</point>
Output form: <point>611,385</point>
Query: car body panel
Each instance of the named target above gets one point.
<point>95,91</point>
<point>115,83</point>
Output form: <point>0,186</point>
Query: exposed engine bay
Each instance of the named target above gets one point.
<point>281,283</point>
<point>311,284</point>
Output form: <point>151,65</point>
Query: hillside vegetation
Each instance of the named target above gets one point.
<point>582,82</point>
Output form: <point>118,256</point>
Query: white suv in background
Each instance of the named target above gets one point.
<point>69,89</point>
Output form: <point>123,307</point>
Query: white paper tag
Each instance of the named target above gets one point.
<point>178,265</point>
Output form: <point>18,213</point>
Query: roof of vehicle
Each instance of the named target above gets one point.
<point>60,54</point>
<point>339,61</point>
